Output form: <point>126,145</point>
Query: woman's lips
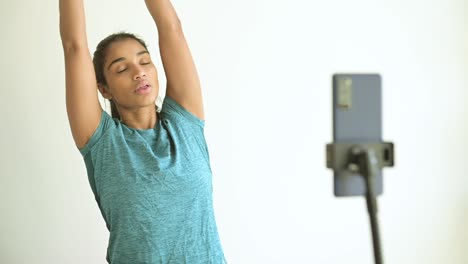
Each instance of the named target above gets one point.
<point>144,89</point>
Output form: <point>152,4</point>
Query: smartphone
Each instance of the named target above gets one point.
<point>357,118</point>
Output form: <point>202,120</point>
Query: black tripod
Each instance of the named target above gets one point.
<point>367,163</point>
<point>365,159</point>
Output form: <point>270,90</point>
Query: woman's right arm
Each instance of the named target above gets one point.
<point>83,107</point>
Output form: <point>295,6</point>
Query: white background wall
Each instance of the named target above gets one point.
<point>266,71</point>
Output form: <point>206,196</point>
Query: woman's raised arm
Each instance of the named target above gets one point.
<point>183,84</point>
<point>83,107</point>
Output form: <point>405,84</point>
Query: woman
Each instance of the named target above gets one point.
<point>149,170</point>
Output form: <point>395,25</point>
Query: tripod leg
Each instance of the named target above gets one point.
<point>368,166</point>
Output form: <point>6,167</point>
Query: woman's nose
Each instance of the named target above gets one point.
<point>139,73</point>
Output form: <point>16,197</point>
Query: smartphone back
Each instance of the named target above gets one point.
<point>357,118</point>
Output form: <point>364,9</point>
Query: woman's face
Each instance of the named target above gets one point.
<point>132,78</point>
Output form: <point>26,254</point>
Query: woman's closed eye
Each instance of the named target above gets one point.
<point>122,70</point>
<point>143,63</point>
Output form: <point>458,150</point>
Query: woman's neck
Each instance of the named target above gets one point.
<point>140,118</point>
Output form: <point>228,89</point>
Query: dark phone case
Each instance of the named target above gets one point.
<point>357,118</point>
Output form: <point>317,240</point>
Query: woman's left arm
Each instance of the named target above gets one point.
<point>183,83</point>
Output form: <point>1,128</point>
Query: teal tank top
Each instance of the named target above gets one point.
<point>154,189</point>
